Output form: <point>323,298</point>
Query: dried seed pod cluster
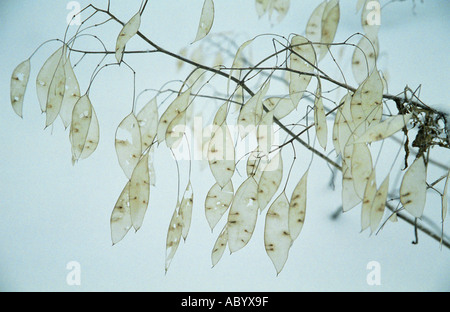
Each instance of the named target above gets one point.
<point>238,199</point>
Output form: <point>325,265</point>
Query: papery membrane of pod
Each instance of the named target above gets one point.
<point>45,76</point>
<point>367,103</point>
<point>242,215</point>
<point>186,209</point>
<point>349,196</point>
<point>173,236</point>
<point>297,207</point>
<point>369,195</point>
<point>151,168</point>
<point>71,94</point>
<point>361,166</point>
<point>128,144</point>
<point>277,239</point>
<point>79,127</point>
<point>413,189</point>
<point>337,124</point>
<point>379,205</point>
<point>330,21</point>
<point>128,30</point>
<point>364,58</point>
<point>19,81</point>
<point>92,138</point>
<point>281,107</point>
<point>345,126</point>
<point>313,29</point>
<point>444,197</point>
<point>217,202</point>
<point>256,162</point>
<point>219,246</point>
<point>359,5</point>
<point>265,133</point>
<point>371,18</point>
<point>221,115</point>
<point>238,61</point>
<point>261,7</point>
<point>302,59</point>
<point>139,192</point>
<point>270,180</point>
<point>384,129</point>
<point>148,123</point>
<point>206,20</point>
<point>221,155</point>
<point>251,112</point>
<point>56,92</point>
<point>178,106</point>
<point>120,217</point>
<point>218,60</point>
<point>175,130</point>
<point>320,120</point>
<point>282,7</point>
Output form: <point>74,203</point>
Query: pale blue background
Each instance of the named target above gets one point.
<point>52,213</point>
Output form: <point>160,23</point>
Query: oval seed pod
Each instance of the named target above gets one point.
<point>206,20</point>
<point>413,189</point>
<point>217,202</point>
<point>71,94</point>
<point>79,127</point>
<point>173,236</point>
<point>384,129</point>
<point>369,196</point>
<point>270,180</point>
<point>281,107</point>
<point>330,21</point>
<point>242,215</point>
<point>128,30</point>
<point>45,76</point>
<point>56,92</point>
<point>379,205</point>
<point>265,133</point>
<point>367,103</point>
<point>120,221</point>
<point>349,196</point>
<point>148,123</point>
<point>219,246</point>
<point>256,162</point>
<point>139,192</point>
<point>345,126</point>
<point>186,209</point>
<point>128,144</point>
<point>361,167</point>
<point>297,207</point>
<point>313,29</point>
<point>238,61</point>
<point>221,155</point>
<point>178,106</point>
<point>251,112</point>
<point>320,120</point>
<point>175,130</point>
<point>19,81</point>
<point>277,240</point>
<point>302,59</point>
<point>364,58</point>
<point>92,137</point>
